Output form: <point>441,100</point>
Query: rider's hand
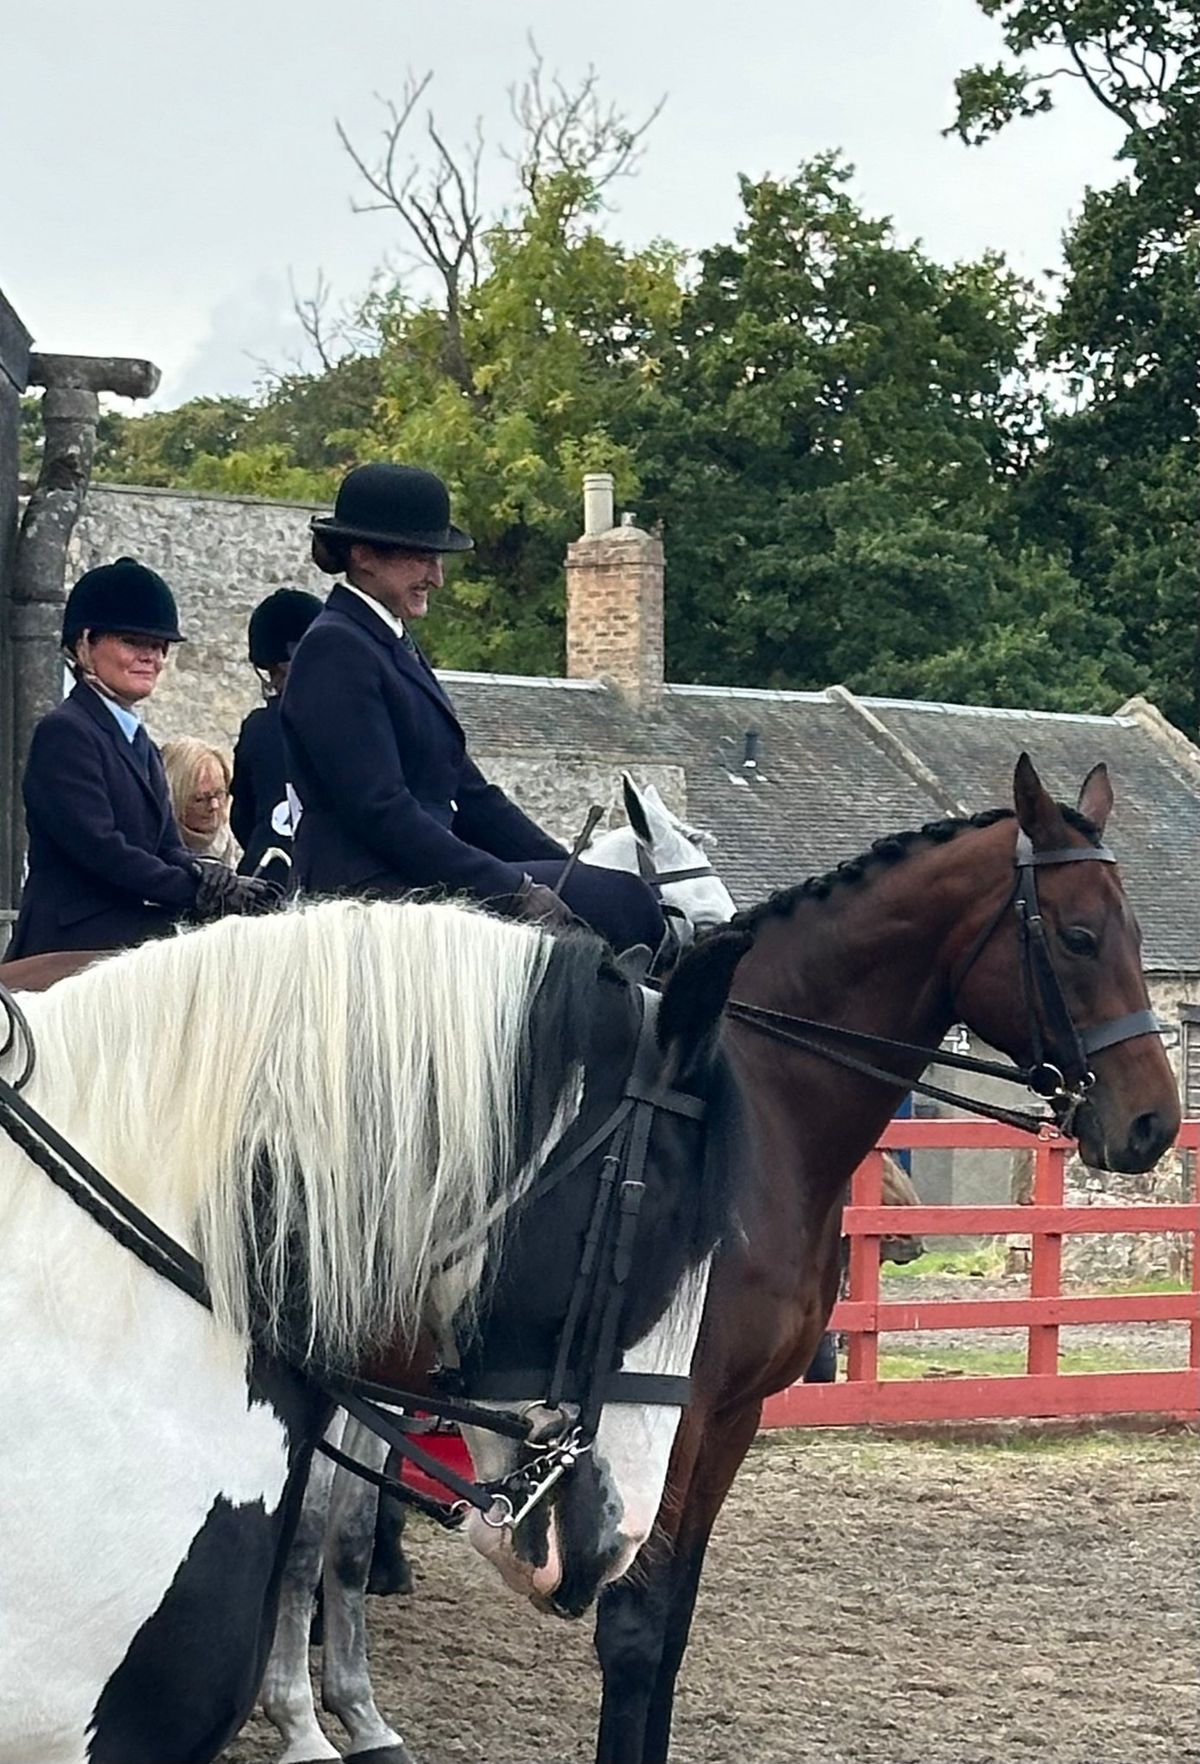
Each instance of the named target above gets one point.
<point>541,906</point>
<point>219,890</point>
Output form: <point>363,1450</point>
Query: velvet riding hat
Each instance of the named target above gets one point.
<point>278,623</point>
<point>396,505</point>
<point>121,597</point>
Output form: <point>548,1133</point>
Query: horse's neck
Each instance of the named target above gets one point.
<point>872,958</point>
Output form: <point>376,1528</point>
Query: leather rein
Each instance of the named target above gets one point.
<point>1063,1080</point>
<point>554,1432</point>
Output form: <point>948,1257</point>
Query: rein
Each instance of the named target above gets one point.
<point>1063,1083</point>
<point>558,1429</point>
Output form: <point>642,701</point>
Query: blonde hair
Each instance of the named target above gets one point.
<point>184,761</point>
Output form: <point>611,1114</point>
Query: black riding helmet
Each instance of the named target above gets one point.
<point>278,623</point>
<point>124,596</point>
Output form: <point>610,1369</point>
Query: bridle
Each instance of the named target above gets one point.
<point>1060,1071</point>
<point>554,1431</point>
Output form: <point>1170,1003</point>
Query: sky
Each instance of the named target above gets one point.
<point>166,170</point>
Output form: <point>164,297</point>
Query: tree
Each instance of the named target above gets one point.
<point>1116,484</point>
<point>838,425</point>
<point>514,377</point>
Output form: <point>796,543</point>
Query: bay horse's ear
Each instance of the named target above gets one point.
<point>1037,811</point>
<point>634,811</point>
<point>695,996</point>
<point>1096,796</point>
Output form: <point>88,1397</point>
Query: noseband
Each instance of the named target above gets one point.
<point>1060,1072</point>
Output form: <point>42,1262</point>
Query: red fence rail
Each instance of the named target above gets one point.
<point>1043,1390</point>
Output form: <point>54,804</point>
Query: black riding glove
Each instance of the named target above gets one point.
<point>220,890</point>
<point>541,906</point>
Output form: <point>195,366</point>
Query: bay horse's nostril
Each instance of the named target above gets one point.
<point>1149,1136</point>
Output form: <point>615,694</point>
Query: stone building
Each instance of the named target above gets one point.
<point>788,782</point>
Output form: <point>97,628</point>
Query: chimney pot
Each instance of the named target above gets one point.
<point>597,503</point>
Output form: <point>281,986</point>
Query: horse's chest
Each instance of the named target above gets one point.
<point>141,1488</point>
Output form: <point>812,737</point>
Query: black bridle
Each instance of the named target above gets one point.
<point>1060,1071</point>
<point>554,1431</point>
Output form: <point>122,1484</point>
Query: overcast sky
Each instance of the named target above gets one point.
<point>163,167</point>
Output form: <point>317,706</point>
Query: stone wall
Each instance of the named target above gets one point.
<point>558,794</point>
<point>220,554</point>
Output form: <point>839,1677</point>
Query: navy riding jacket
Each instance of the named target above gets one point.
<point>107,867</point>
<point>392,801</point>
<point>259,788</point>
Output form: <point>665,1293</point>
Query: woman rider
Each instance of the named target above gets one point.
<point>107,867</point>
<point>260,813</point>
<point>391,800</point>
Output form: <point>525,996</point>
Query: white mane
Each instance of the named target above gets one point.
<point>367,1054</point>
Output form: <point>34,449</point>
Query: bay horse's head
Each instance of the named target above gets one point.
<point>1051,973</point>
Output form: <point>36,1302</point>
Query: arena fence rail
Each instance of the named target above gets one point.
<point>1044,1390</point>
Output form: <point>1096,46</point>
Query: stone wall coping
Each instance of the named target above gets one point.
<point>100,486</point>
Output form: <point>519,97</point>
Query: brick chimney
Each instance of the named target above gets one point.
<point>615,600</point>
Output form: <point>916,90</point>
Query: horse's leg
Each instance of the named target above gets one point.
<point>725,1446</point>
<point>644,1620</point>
<point>286,1694</point>
<point>390,1571</point>
<point>630,1632</point>
<point>345,1674</point>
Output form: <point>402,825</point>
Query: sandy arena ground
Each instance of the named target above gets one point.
<point>865,1602</point>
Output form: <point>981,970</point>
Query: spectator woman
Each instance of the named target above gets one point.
<point>107,865</point>
<point>199,776</point>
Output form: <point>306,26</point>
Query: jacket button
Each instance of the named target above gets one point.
<point>453,806</point>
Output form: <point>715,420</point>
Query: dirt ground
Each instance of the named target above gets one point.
<point>865,1602</point>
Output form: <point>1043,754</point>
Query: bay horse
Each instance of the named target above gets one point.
<point>341,1111</point>
<point>920,932</point>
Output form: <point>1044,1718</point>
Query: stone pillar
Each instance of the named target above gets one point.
<point>14,373</point>
<point>615,609</point>
<point>70,411</point>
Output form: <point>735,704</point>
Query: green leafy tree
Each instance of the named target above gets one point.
<point>1117,484</point>
<point>833,447</point>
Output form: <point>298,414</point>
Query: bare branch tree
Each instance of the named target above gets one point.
<point>311,312</point>
<point>570,129</point>
<point>439,204</point>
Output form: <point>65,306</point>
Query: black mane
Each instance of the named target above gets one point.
<point>889,850</point>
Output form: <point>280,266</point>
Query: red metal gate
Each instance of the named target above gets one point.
<point>1043,1390</point>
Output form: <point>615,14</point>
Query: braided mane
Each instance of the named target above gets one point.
<point>889,850</point>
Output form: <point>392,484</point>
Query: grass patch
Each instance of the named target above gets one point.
<point>986,1260</point>
<point>984,1362</point>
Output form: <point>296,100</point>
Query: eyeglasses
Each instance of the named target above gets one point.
<point>208,798</point>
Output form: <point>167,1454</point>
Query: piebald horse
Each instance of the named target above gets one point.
<point>337,1533</point>
<point>341,1111</point>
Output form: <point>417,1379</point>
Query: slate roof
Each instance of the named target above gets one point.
<point>824,787</point>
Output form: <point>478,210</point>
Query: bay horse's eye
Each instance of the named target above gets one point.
<point>1079,940</point>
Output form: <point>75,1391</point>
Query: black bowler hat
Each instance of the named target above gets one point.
<point>278,623</point>
<point>394,505</point>
<point>121,596</point>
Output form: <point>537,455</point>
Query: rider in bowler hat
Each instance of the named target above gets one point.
<point>107,866</point>
<point>391,800</point>
<point>260,813</point>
